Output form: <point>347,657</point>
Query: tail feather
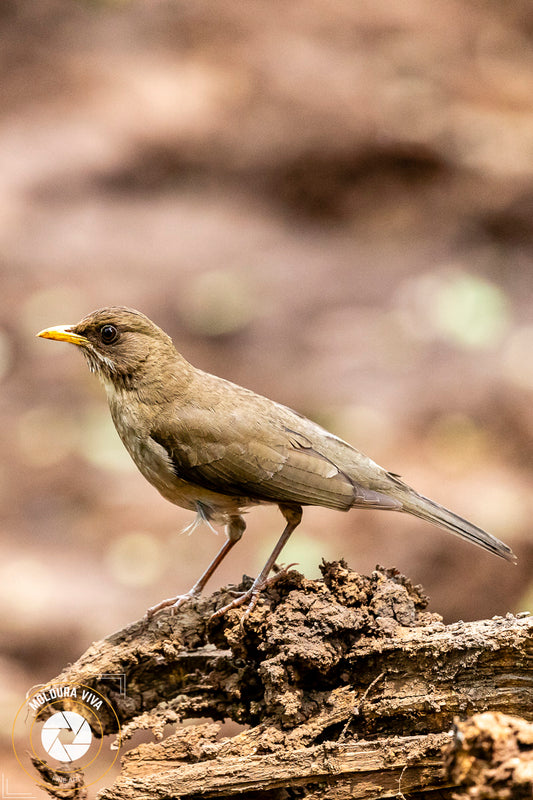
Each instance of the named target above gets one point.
<point>420,506</point>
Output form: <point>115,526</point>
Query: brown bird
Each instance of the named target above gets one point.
<point>216,448</point>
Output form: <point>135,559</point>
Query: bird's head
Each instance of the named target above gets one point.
<point>122,346</point>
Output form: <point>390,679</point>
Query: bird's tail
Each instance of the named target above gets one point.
<point>420,506</point>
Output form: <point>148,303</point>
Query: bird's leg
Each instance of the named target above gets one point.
<point>293,516</point>
<point>234,530</point>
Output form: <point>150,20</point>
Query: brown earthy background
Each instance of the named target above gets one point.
<point>327,202</point>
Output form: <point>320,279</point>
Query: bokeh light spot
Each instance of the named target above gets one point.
<point>46,436</point>
<point>27,586</point>
<point>457,443</point>
<point>100,443</point>
<point>135,559</point>
<point>455,306</point>
<point>218,302</point>
<point>471,311</point>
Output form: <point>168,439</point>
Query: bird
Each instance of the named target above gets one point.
<point>211,446</point>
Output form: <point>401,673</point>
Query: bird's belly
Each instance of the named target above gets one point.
<point>153,462</point>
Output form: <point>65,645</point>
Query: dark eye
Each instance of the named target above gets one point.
<point>108,334</point>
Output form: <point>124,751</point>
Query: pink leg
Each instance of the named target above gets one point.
<point>235,530</point>
<point>293,515</point>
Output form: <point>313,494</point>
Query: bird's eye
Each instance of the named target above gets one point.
<point>108,334</point>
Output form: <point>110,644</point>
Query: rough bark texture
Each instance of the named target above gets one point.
<point>347,687</point>
<point>492,758</point>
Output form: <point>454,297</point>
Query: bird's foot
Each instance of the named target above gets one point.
<point>174,603</point>
<point>252,595</point>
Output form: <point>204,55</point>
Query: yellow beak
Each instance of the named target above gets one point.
<point>63,333</point>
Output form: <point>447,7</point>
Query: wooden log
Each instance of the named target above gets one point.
<point>381,768</point>
<point>347,687</point>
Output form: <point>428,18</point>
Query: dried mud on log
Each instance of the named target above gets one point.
<point>346,687</point>
<point>492,758</point>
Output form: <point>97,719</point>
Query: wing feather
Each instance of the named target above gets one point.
<point>267,462</point>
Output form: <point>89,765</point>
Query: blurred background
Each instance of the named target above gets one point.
<point>329,203</point>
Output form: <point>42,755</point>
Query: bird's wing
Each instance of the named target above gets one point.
<point>265,459</point>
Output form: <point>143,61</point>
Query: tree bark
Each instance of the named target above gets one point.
<point>345,687</point>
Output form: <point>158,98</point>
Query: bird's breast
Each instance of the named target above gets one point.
<point>133,426</point>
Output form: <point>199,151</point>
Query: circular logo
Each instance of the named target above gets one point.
<point>56,725</point>
<point>70,728</point>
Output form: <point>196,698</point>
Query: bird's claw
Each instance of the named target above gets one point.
<point>174,603</point>
<point>281,570</point>
<point>252,595</point>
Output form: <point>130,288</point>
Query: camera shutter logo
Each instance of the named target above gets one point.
<point>66,721</point>
<point>71,724</point>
